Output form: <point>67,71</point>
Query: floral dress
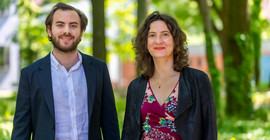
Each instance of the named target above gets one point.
<point>158,120</point>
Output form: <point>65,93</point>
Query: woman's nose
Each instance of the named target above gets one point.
<point>158,40</point>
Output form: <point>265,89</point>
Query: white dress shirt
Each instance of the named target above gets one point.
<point>70,101</point>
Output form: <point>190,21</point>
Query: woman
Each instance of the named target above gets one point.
<point>169,100</point>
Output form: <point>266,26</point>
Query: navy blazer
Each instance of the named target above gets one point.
<point>196,114</point>
<point>35,106</point>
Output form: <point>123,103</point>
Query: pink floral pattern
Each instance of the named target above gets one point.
<point>158,120</point>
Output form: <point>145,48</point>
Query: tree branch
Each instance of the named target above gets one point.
<point>215,8</point>
<point>215,29</point>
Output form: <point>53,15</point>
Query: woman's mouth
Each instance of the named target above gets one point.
<point>159,48</point>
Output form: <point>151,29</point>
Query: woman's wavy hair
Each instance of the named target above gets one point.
<point>63,6</point>
<point>144,60</point>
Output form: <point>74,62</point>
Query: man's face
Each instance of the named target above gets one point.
<point>66,30</point>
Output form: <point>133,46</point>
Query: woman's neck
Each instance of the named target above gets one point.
<point>164,76</point>
<point>164,69</point>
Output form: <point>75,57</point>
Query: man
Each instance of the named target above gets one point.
<point>66,95</point>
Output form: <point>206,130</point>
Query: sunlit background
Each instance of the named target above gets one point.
<point>23,40</point>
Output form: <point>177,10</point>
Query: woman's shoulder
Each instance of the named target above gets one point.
<point>137,82</point>
<point>193,72</point>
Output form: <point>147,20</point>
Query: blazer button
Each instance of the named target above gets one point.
<point>53,126</point>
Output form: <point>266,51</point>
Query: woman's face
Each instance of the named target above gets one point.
<point>160,42</point>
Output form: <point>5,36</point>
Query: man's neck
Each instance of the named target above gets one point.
<point>67,59</point>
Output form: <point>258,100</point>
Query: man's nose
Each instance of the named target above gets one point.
<point>67,29</point>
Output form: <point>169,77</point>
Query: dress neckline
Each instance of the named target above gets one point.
<point>173,90</point>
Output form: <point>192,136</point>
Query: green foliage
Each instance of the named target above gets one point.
<point>7,110</point>
<point>214,72</point>
<point>257,22</point>
<point>1,56</point>
<point>243,129</point>
<point>122,21</point>
<point>185,11</point>
<point>238,85</point>
<point>55,1</point>
<point>32,35</point>
<point>120,102</point>
<point>4,4</point>
<point>256,26</point>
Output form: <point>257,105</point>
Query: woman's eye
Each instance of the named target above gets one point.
<point>151,35</point>
<point>166,34</point>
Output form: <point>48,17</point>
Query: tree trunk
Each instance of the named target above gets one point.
<point>238,57</point>
<point>99,48</point>
<point>256,42</point>
<point>142,11</point>
<point>208,32</point>
<point>256,38</point>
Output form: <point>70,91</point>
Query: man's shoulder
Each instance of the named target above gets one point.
<point>91,59</point>
<point>42,62</point>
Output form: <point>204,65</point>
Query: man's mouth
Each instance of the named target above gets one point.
<point>66,38</point>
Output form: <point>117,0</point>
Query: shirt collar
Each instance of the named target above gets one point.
<point>78,64</point>
<point>57,65</point>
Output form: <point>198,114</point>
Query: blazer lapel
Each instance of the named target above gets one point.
<point>184,98</point>
<point>45,80</point>
<point>90,75</point>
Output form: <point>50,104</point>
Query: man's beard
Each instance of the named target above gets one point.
<point>72,47</point>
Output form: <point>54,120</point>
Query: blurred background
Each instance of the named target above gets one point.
<point>227,39</point>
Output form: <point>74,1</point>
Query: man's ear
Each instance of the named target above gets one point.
<point>82,34</point>
<point>48,29</point>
